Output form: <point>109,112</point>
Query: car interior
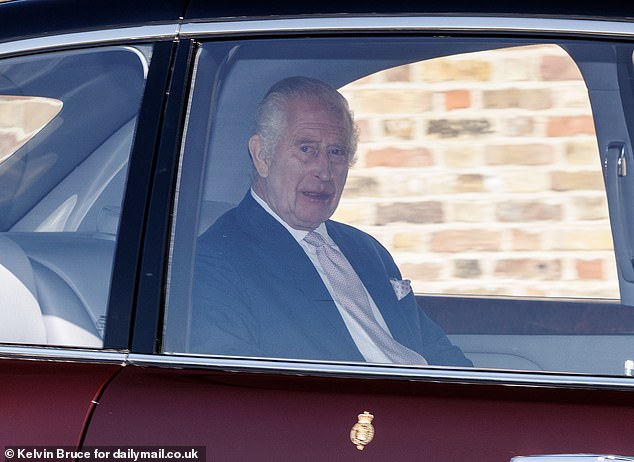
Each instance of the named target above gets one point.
<point>62,192</point>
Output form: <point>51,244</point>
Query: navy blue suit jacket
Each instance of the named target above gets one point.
<point>256,293</point>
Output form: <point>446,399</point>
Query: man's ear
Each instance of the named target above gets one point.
<point>260,160</point>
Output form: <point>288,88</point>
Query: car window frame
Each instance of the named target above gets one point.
<point>545,27</point>
<point>120,309</point>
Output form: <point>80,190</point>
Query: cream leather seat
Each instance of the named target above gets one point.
<point>21,319</point>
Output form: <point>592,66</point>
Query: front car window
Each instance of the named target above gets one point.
<point>478,172</point>
<point>67,121</point>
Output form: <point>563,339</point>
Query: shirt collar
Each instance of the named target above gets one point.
<point>298,234</point>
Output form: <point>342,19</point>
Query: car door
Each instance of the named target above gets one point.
<point>488,151</point>
<point>72,108</point>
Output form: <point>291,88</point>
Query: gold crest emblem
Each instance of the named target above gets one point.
<point>362,432</point>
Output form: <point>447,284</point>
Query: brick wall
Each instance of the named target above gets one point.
<point>481,174</point>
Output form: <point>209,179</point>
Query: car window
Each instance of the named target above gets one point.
<point>481,173</point>
<point>67,121</point>
<point>474,211</point>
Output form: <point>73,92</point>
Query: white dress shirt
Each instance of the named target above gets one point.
<point>364,343</point>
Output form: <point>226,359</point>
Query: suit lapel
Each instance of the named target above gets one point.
<point>287,257</point>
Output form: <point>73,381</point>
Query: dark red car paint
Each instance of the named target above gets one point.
<point>265,416</point>
<point>250,416</point>
<point>48,402</point>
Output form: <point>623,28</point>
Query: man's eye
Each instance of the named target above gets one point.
<point>336,151</point>
<point>307,149</point>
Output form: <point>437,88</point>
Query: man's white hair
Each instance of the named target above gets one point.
<point>272,113</point>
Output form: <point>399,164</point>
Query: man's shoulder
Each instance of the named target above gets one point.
<point>224,228</point>
<point>247,224</point>
<point>231,220</point>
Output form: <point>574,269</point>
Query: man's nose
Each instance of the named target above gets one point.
<point>322,165</point>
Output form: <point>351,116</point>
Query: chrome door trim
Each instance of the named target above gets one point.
<point>413,23</point>
<point>127,35</point>
<point>317,368</point>
<point>62,354</point>
<point>369,371</point>
<point>572,458</point>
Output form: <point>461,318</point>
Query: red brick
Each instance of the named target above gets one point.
<point>526,240</point>
<point>410,212</point>
<point>570,126</point>
<point>559,68</point>
<point>589,269</point>
<point>457,99</point>
<point>463,240</point>
<point>399,157</point>
<point>529,268</point>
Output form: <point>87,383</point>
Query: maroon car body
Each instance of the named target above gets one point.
<point>113,241</point>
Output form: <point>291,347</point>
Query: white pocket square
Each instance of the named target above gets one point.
<point>402,287</point>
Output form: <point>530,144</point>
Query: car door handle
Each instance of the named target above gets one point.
<point>572,458</point>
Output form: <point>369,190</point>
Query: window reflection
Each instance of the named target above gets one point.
<point>21,118</point>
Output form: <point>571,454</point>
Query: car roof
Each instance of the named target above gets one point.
<point>31,18</point>
<point>199,9</point>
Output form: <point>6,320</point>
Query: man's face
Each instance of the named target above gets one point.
<point>303,180</point>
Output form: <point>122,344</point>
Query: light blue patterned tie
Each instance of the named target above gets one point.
<point>351,295</point>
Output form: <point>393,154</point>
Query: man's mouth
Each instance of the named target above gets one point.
<point>318,196</point>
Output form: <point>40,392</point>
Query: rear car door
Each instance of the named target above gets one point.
<point>489,151</point>
<point>73,117</point>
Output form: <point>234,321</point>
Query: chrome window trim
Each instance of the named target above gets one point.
<point>37,353</point>
<point>368,371</point>
<point>316,368</point>
<point>416,23</point>
<point>127,35</point>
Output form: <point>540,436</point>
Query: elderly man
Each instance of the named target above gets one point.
<point>276,278</point>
